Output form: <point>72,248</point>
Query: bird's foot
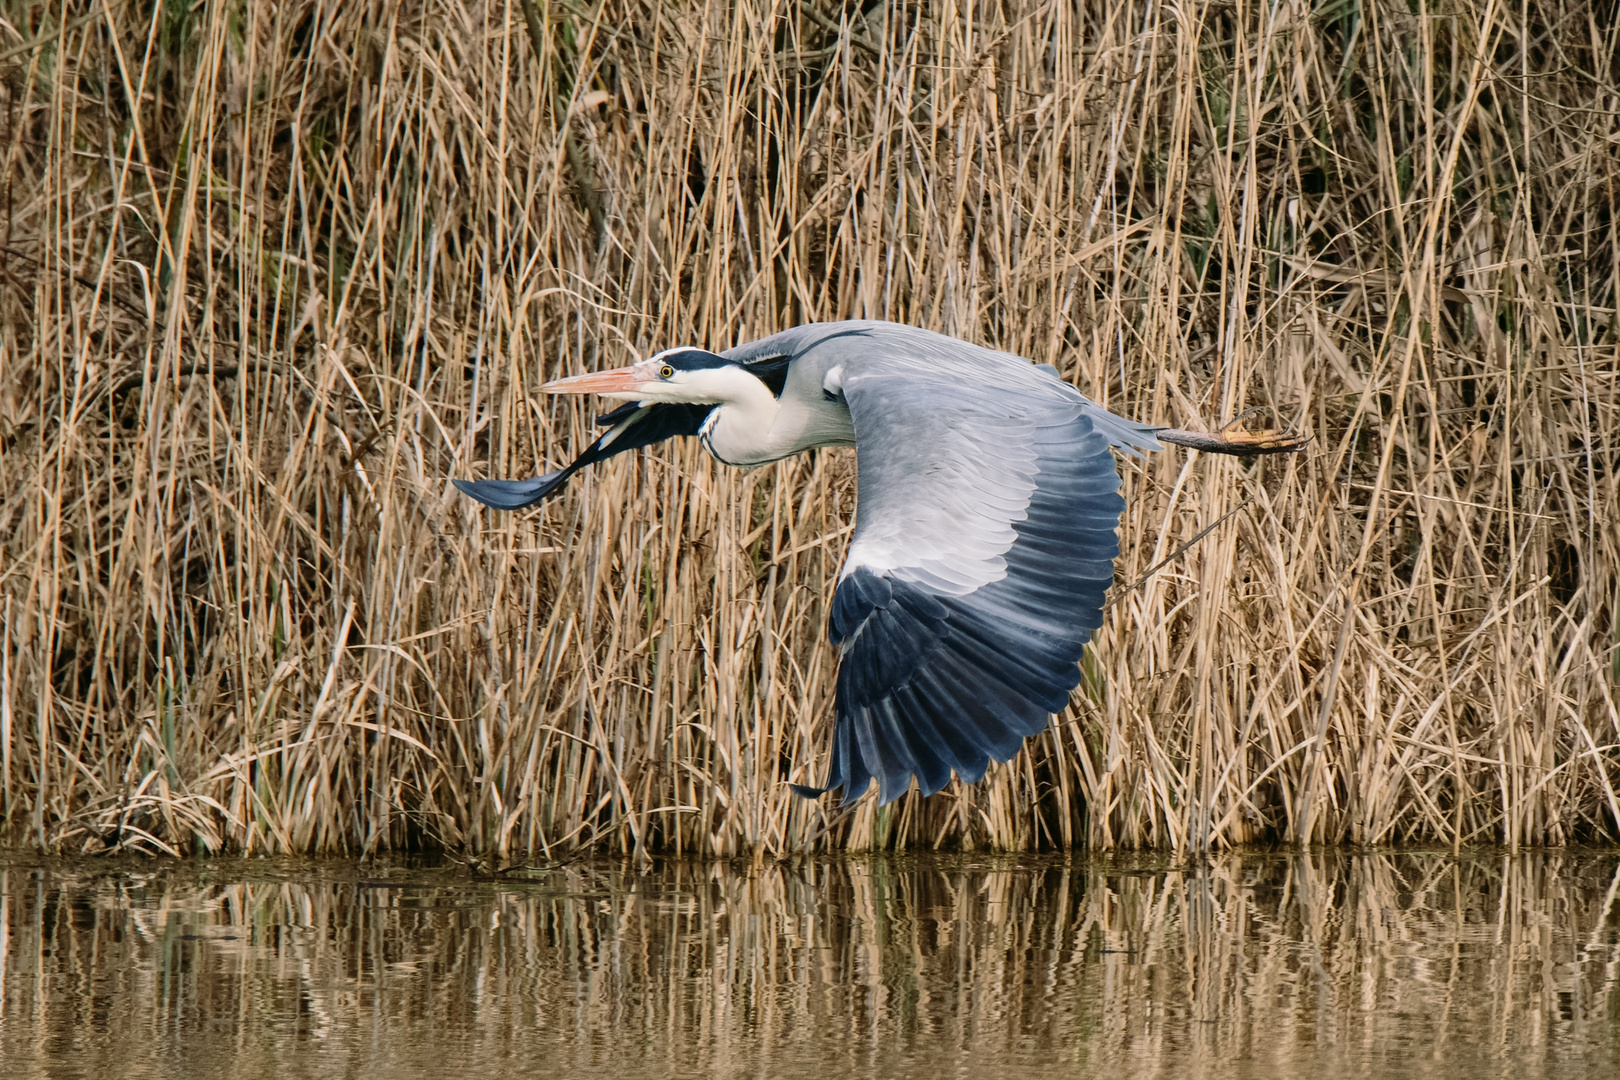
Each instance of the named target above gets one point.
<point>1240,443</point>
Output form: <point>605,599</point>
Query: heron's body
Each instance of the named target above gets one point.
<point>985,523</point>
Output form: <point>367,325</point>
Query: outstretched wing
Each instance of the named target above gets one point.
<point>632,426</point>
<point>985,537</point>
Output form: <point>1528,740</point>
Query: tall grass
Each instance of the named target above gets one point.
<point>273,273</point>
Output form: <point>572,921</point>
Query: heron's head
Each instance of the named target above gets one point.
<point>677,376</point>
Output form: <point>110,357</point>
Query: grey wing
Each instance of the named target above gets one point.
<point>985,538</point>
<point>630,427</point>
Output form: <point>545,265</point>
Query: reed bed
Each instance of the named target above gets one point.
<point>271,274</point>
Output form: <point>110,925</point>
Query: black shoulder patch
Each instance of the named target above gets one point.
<point>772,371</point>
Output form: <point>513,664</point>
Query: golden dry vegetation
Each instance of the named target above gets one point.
<point>273,273</point>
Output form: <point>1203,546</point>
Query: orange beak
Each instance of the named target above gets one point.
<point>618,381</point>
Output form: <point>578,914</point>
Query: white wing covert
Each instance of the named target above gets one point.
<point>985,536</point>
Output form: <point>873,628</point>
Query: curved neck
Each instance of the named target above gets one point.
<point>742,431</point>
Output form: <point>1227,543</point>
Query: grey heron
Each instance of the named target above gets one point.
<point>986,517</point>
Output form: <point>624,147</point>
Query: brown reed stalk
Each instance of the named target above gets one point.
<point>270,274</point>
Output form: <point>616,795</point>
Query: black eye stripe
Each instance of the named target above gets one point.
<point>770,370</point>
<point>693,359</point>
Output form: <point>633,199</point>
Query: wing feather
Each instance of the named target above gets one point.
<point>984,544</point>
<point>630,427</point>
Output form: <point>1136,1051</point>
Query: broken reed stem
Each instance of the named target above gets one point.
<point>247,612</point>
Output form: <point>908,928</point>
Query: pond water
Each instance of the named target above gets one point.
<point>1317,965</point>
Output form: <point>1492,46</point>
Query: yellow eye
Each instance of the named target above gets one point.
<point>666,372</point>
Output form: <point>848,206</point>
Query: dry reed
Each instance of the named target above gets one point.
<point>272,273</point>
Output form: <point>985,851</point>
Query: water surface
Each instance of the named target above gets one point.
<point>1320,965</point>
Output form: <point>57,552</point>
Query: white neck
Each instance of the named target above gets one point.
<point>742,430</point>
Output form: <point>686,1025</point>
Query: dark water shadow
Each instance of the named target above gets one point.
<point>1321,965</point>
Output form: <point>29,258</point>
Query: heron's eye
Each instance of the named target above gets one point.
<point>666,372</point>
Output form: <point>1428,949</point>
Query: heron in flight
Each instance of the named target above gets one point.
<point>986,522</point>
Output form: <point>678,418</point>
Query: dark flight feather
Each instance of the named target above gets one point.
<point>634,425</point>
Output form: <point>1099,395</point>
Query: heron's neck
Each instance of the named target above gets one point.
<point>743,429</point>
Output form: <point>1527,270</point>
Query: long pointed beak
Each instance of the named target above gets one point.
<point>618,381</point>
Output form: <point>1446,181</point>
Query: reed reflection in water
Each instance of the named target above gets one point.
<point>1320,965</point>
